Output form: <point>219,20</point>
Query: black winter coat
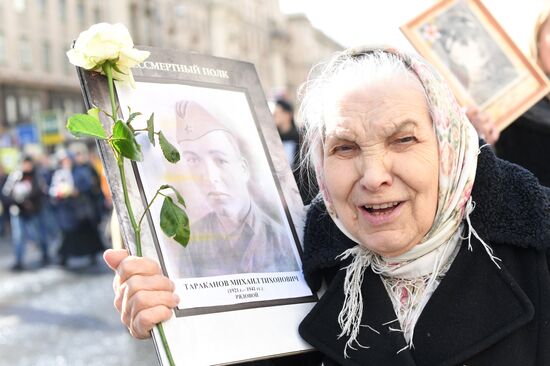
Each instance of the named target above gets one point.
<point>479,314</point>
<point>527,141</point>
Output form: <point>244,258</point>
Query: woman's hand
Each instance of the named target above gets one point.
<point>143,295</point>
<point>484,124</point>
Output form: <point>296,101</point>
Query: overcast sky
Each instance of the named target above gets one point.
<point>356,22</point>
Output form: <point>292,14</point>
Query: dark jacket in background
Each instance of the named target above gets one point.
<point>31,204</point>
<point>79,215</point>
<point>479,314</point>
<point>308,189</point>
<point>527,141</point>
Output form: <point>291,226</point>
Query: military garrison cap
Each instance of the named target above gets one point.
<point>193,121</point>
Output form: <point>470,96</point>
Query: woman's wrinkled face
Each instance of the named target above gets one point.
<point>544,47</point>
<point>381,164</point>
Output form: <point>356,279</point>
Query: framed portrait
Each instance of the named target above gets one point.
<point>478,59</point>
<point>239,279</point>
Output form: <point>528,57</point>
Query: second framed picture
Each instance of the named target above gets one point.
<point>479,60</point>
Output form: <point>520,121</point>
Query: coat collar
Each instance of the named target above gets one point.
<point>511,206</point>
<point>452,328</point>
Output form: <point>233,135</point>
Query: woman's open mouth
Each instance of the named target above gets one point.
<point>381,213</point>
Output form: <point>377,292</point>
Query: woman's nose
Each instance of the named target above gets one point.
<point>375,172</point>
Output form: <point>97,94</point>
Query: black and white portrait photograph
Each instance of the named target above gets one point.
<point>217,162</point>
<point>238,223</point>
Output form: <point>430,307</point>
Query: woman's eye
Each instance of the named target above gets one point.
<point>406,139</point>
<point>344,149</point>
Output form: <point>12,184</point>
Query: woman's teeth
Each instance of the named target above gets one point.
<point>381,206</point>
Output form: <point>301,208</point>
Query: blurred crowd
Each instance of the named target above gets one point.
<point>59,202</point>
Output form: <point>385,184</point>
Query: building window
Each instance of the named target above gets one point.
<point>25,52</point>
<point>20,6</point>
<point>36,106</point>
<point>42,6</point>
<point>46,56</point>
<point>63,9</point>
<point>134,23</point>
<point>2,49</point>
<point>68,106</point>
<point>97,15</point>
<point>65,62</point>
<point>81,13</point>
<point>11,109</point>
<point>25,108</point>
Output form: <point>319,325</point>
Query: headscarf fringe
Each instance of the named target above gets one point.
<point>349,318</point>
<point>404,348</point>
<point>371,328</point>
<point>469,209</point>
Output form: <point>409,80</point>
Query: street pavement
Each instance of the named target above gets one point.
<point>63,317</point>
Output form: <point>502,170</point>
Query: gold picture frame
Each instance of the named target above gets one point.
<point>481,63</point>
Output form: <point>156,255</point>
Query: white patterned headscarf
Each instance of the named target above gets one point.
<point>458,151</point>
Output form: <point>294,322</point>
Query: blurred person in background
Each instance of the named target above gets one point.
<point>74,192</point>
<point>526,141</point>
<point>105,199</point>
<point>85,169</point>
<point>23,192</point>
<point>284,120</point>
<point>283,115</point>
<point>4,204</point>
<point>95,162</point>
<point>49,228</point>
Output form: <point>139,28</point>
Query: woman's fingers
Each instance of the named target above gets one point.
<point>484,125</point>
<point>144,309</point>
<point>143,300</point>
<point>146,319</point>
<point>148,283</point>
<point>113,257</point>
<point>138,283</point>
<point>131,267</point>
<point>143,295</point>
<point>493,135</point>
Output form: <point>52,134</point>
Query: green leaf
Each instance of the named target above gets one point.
<point>174,222</point>
<point>125,143</point>
<point>181,201</point>
<point>83,125</point>
<point>151,129</point>
<point>132,116</point>
<point>94,112</point>
<point>170,152</point>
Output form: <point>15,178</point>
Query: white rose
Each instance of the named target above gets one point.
<point>107,42</point>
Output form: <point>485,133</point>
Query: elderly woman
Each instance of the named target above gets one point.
<point>432,249</point>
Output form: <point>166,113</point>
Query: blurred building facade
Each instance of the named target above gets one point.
<point>35,75</point>
<point>306,46</point>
